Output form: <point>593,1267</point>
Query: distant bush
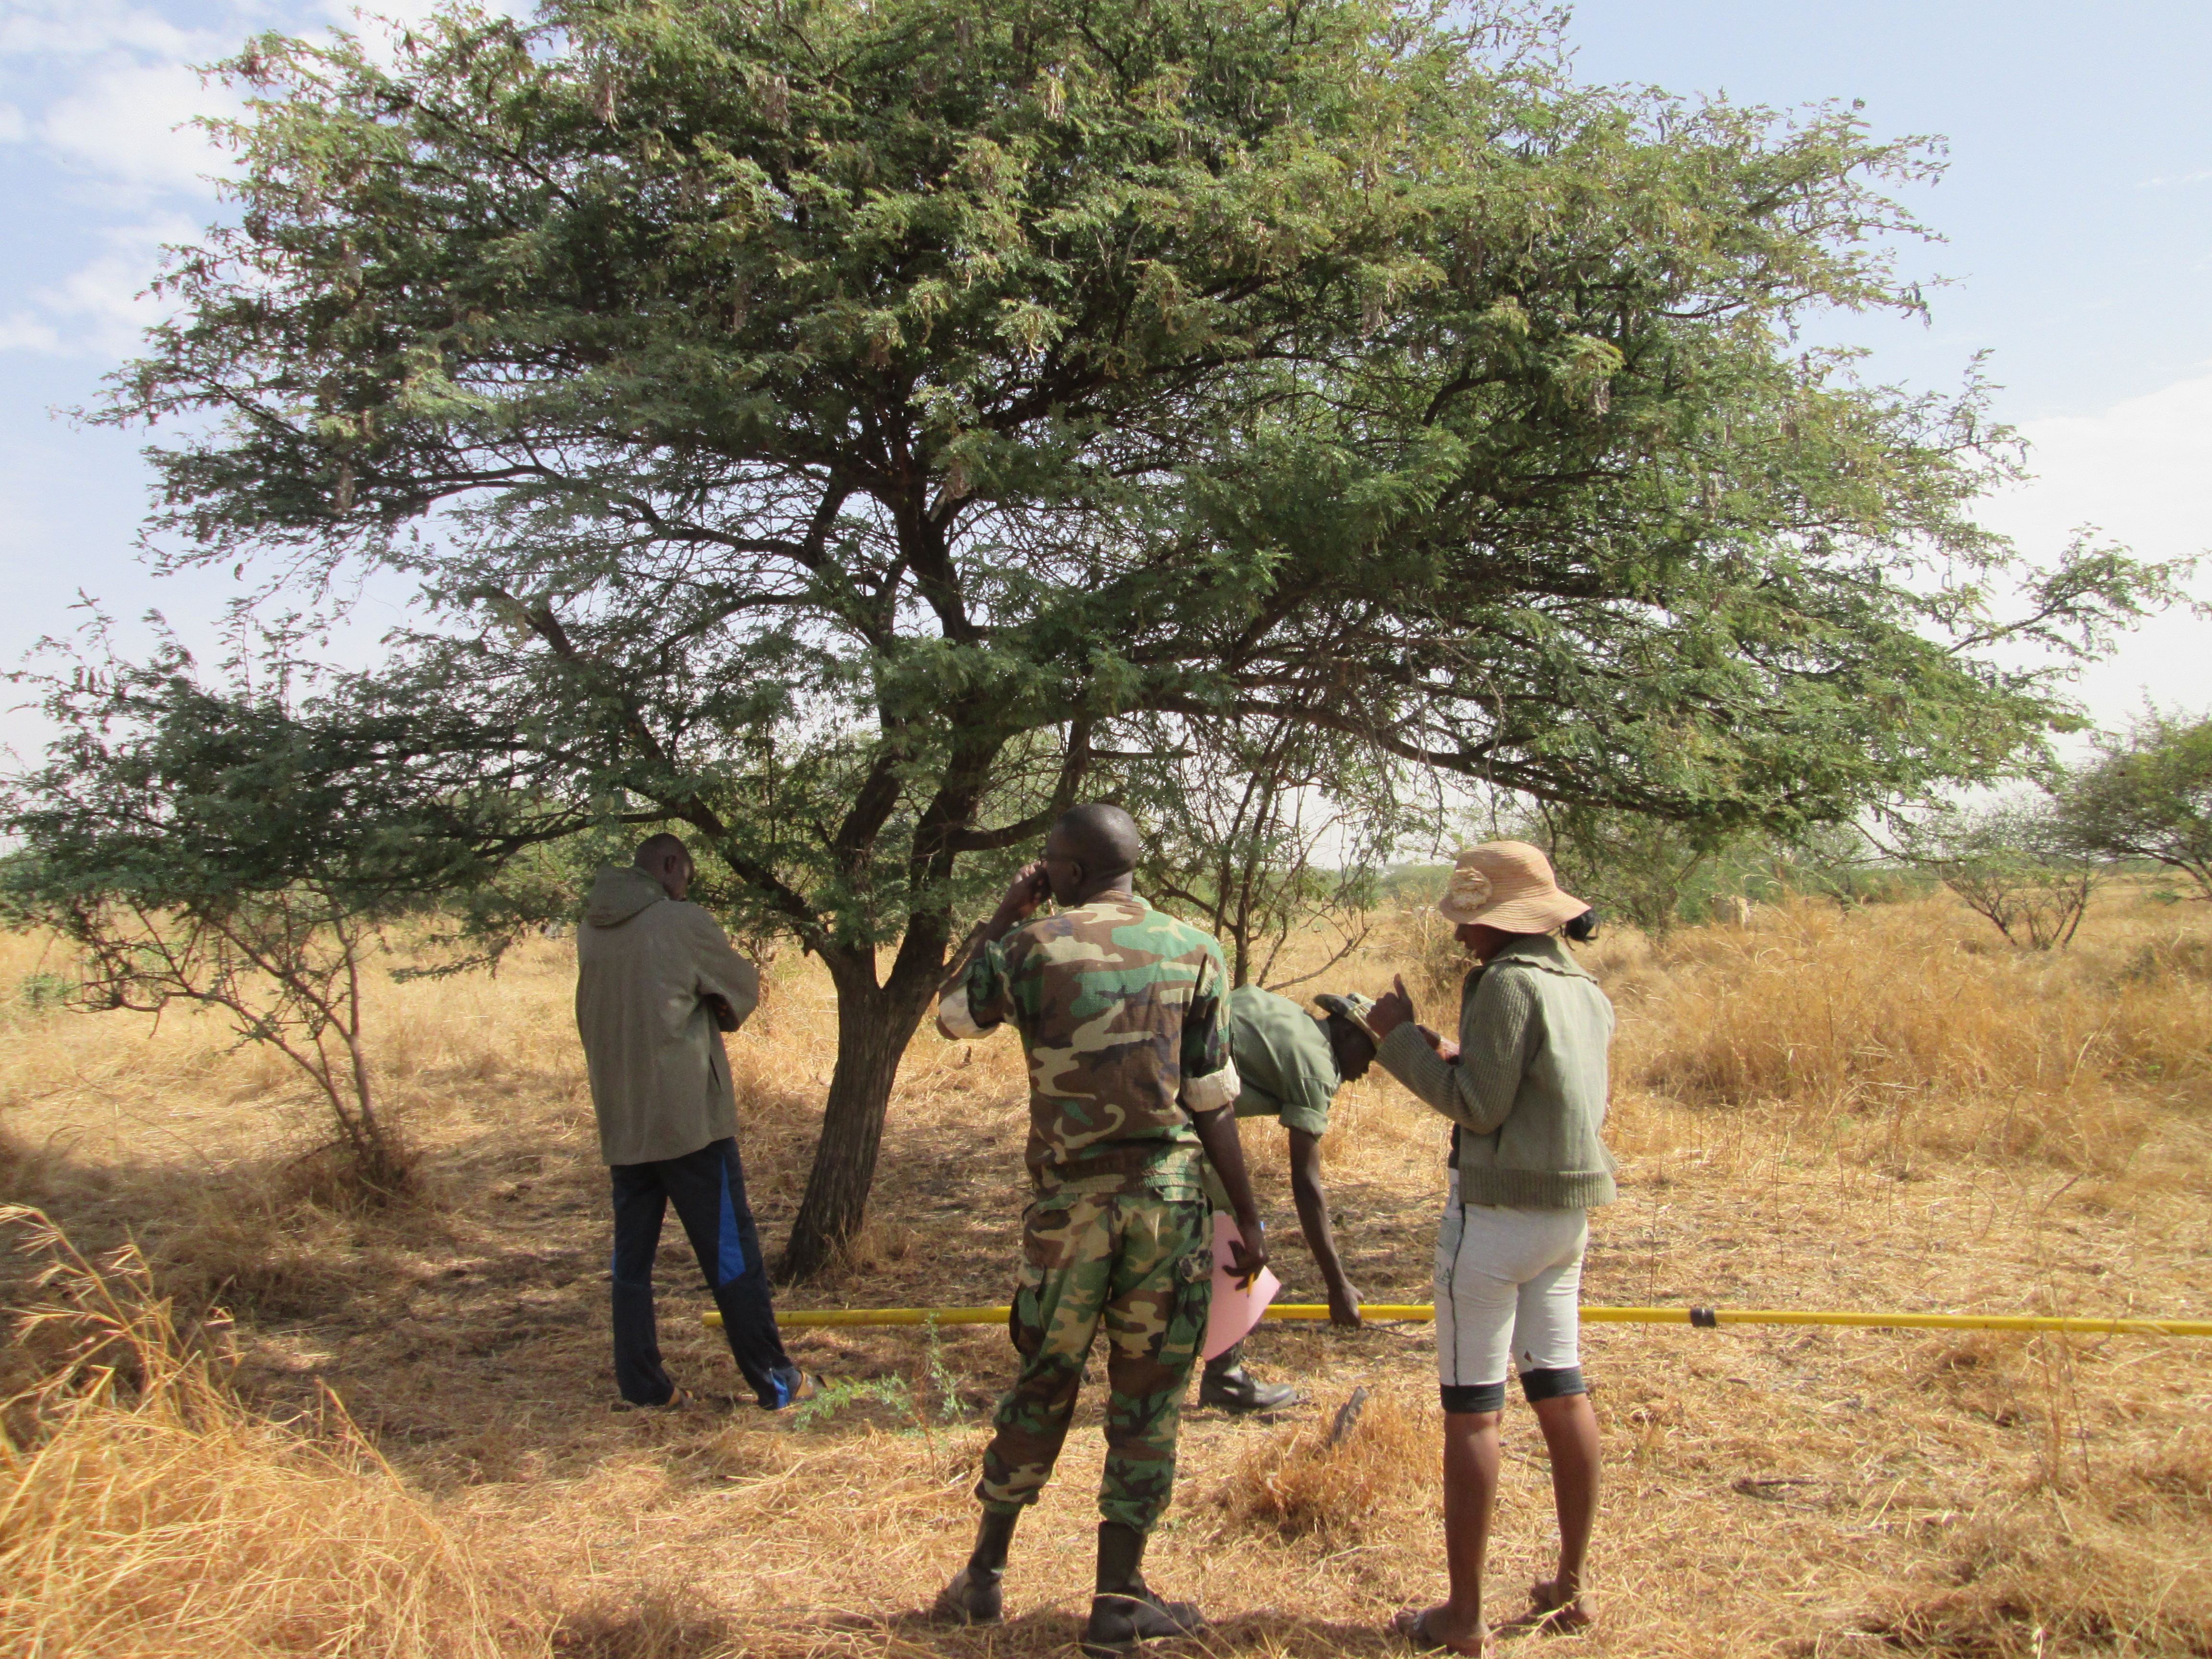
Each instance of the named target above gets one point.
<point>39,993</point>
<point>2148,796</point>
<point>2014,864</point>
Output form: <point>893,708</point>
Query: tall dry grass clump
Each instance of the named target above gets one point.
<point>144,1510</point>
<point>1332,1477</point>
<point>1913,1010</point>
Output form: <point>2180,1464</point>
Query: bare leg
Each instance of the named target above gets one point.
<point>1569,1428</point>
<point>1470,1499</point>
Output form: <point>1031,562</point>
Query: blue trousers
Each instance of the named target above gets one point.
<point>707,1189</point>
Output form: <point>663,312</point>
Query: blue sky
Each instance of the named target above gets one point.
<point>2077,211</point>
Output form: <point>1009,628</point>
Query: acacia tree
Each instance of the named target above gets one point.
<point>196,846</point>
<point>2009,861</point>
<point>828,426</point>
<point>2147,795</point>
<point>1260,828</point>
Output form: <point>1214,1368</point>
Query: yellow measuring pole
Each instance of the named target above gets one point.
<point>818,1318</point>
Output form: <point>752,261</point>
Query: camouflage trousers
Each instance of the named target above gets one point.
<point>1139,1265</point>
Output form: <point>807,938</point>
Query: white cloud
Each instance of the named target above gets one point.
<point>131,124</point>
<point>100,309</point>
<point>2142,473</point>
<point>25,333</point>
<point>2198,177</point>
<point>2140,468</point>
<point>13,128</point>
<point>85,29</point>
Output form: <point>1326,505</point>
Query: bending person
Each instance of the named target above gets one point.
<point>1525,1087</point>
<point>657,984</point>
<point>1291,1064</point>
<point>1119,1009</point>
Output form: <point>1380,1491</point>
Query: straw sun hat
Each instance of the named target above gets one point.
<point>1507,885</point>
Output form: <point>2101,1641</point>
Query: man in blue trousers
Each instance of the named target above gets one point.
<point>657,984</point>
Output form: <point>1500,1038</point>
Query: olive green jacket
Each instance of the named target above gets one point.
<point>647,968</point>
<point>1528,1090</point>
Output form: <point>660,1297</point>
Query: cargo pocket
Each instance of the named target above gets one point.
<point>1193,1300</point>
<point>1024,1326</point>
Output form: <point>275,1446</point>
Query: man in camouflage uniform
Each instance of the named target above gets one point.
<point>1131,1080</point>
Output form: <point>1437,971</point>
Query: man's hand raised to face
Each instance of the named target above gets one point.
<point>1028,889</point>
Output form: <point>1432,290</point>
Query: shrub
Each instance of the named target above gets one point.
<point>1311,1480</point>
<point>2013,865</point>
<point>37,994</point>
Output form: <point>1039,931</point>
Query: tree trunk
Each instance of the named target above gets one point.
<point>874,1024</point>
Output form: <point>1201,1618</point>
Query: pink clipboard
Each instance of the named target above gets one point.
<point>1235,1310</point>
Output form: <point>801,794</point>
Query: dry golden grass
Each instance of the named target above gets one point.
<point>1332,1477</point>
<point>145,1511</point>
<point>1913,1017</point>
<point>1886,1108</point>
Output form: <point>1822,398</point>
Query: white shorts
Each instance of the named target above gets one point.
<point>1509,1287</point>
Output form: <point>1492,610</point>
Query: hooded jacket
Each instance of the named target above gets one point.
<point>645,968</point>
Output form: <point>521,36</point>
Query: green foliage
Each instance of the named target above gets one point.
<point>39,993</point>
<point>840,1392</point>
<point>944,1381</point>
<point>843,429</point>
<point>203,842</point>
<point>2147,795</point>
<point>1260,830</point>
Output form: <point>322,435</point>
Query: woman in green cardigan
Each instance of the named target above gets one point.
<point>1525,1088</point>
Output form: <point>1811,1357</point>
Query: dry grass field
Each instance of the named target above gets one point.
<point>305,1427</point>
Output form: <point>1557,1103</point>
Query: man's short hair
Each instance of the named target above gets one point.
<point>1102,838</point>
<point>659,847</point>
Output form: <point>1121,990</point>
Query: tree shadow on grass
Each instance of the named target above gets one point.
<point>659,1622</point>
<point>1055,1631</point>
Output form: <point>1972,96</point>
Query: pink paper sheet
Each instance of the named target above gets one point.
<point>1235,1310</point>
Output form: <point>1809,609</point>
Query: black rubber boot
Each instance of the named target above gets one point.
<point>975,1596</point>
<point>1226,1384</point>
<point>1124,1612</point>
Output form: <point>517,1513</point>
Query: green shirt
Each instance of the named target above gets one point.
<point>1283,1059</point>
<point>1119,1006</point>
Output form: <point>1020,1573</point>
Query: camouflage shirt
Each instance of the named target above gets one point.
<point>1120,1010</point>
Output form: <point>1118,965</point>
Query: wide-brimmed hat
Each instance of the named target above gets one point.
<point>1507,885</point>
<point>1350,1005</point>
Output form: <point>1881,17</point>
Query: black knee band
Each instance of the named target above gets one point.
<point>1460,1397</point>
<point>1553,1385</point>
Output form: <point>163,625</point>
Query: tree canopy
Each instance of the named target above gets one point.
<point>850,432</point>
<point>2147,795</point>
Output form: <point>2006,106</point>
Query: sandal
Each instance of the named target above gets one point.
<point>1413,1623</point>
<point>675,1402</point>
<point>810,1384</point>
<point>1553,1617</point>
